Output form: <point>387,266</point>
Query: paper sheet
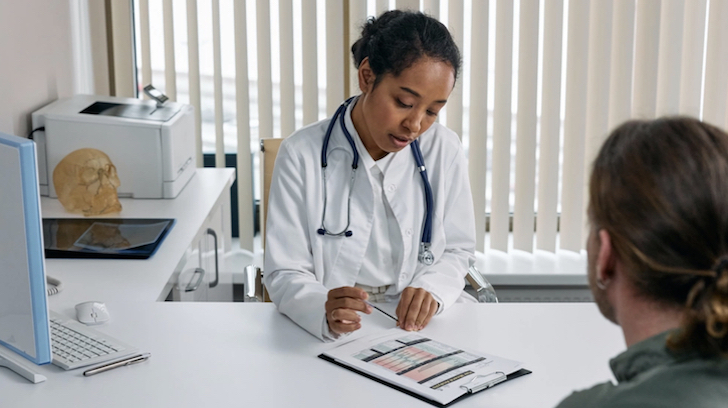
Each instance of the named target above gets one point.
<point>420,364</point>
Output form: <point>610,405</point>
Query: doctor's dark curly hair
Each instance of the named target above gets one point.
<point>397,39</point>
<point>660,188</point>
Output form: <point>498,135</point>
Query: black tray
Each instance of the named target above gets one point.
<point>60,236</point>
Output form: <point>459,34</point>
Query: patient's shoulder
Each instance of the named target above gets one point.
<point>695,383</point>
<point>599,396</point>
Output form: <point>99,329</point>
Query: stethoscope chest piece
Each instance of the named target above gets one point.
<point>425,256</point>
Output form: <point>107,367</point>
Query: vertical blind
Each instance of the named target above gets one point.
<point>563,73</point>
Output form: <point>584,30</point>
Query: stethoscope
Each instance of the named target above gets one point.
<point>425,256</point>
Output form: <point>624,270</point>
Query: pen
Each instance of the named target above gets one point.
<point>120,363</point>
<point>382,311</point>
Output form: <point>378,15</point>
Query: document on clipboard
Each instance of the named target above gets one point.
<point>423,367</point>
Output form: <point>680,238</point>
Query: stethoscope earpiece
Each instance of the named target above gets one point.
<point>321,231</point>
<point>349,233</point>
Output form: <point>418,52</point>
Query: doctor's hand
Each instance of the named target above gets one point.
<point>341,307</point>
<point>416,308</point>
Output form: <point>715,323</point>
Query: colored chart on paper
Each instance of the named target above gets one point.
<point>417,358</point>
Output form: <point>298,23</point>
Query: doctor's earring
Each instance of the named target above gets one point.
<point>601,284</point>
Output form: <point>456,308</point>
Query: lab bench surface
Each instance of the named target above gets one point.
<point>237,354</point>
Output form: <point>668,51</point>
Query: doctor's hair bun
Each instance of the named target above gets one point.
<point>397,39</point>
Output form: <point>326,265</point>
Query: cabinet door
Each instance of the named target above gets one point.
<point>200,276</point>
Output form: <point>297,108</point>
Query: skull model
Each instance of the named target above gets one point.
<point>86,182</point>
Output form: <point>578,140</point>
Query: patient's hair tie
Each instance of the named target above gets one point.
<point>721,266</point>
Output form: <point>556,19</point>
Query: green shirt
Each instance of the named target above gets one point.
<point>650,375</point>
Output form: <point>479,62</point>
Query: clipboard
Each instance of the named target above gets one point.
<point>477,387</point>
<point>423,367</point>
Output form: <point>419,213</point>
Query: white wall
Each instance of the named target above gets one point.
<point>36,59</point>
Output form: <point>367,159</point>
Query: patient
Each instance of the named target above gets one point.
<point>658,263</point>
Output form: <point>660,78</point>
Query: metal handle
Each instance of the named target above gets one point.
<point>253,284</point>
<point>486,292</point>
<point>214,283</point>
<point>191,287</point>
<point>472,386</point>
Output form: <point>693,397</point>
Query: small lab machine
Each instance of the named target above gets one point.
<point>152,145</point>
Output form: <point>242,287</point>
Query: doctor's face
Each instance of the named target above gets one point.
<point>390,115</point>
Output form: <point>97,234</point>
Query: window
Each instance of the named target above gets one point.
<point>548,78</point>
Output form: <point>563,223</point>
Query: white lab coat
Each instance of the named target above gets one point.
<point>301,266</point>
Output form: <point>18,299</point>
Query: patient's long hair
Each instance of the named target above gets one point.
<point>660,189</point>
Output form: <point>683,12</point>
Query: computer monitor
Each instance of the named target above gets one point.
<point>24,326</point>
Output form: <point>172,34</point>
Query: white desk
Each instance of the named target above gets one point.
<point>236,354</point>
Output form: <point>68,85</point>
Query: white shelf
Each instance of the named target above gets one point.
<point>144,280</point>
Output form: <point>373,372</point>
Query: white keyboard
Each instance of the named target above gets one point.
<point>75,345</point>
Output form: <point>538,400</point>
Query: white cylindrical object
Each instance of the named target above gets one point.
<point>83,72</point>
<point>526,121</point>
<point>288,85</point>
<point>170,71</point>
<point>691,67</point>
<point>357,18</point>
<point>432,8</point>
<point>500,207</point>
<point>242,114</point>
<point>455,101</point>
<point>310,62</point>
<point>597,99</point>
<point>478,151</point>
<point>217,81</point>
<point>572,216</point>
<point>548,159</point>
<point>193,55</point>
<point>144,41</point>
<point>620,73</point>
<point>265,81</point>
<point>647,33</point>
<point>716,65</point>
<point>335,55</point>
<point>382,6</point>
<point>670,56</point>
<point>121,30</point>
<point>408,4</point>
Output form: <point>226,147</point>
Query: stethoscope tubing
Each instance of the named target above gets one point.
<point>354,166</point>
<point>345,232</point>
<point>429,201</point>
<point>425,255</point>
<point>340,114</point>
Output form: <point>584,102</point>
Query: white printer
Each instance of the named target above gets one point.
<point>152,147</point>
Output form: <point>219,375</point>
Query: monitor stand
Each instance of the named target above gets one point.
<point>12,361</point>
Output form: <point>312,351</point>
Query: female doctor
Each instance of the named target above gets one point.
<point>350,218</point>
